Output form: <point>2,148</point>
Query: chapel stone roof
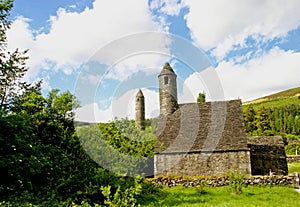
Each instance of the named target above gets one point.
<point>203,127</point>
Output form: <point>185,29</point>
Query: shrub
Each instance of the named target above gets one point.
<point>292,148</point>
<point>236,179</point>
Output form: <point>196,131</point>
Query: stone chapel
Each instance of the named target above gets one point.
<point>206,138</point>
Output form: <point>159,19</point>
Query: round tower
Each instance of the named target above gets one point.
<point>167,90</point>
<point>140,110</point>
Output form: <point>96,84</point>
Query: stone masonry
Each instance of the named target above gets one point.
<point>202,139</point>
<point>267,153</point>
<point>140,110</point>
<point>206,138</point>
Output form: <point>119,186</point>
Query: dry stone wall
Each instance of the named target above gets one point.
<point>224,180</point>
<point>293,158</point>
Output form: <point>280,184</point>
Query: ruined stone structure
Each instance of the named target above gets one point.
<point>208,138</point>
<point>140,110</point>
<point>267,153</point>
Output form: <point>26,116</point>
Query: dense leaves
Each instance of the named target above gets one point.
<point>201,98</point>
<point>42,161</point>
<point>12,63</point>
<point>276,117</point>
<point>268,121</point>
<point>119,146</point>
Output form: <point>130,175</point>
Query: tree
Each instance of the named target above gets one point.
<point>5,7</point>
<point>12,64</point>
<point>201,98</point>
<point>249,118</point>
<point>262,120</point>
<point>41,159</point>
<point>119,146</point>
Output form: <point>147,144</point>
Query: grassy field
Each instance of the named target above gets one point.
<point>294,167</point>
<point>283,196</point>
<point>275,196</point>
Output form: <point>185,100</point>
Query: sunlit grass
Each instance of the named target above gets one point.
<point>275,196</point>
<point>294,167</point>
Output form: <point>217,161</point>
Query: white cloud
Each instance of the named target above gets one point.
<point>74,37</point>
<point>169,7</point>
<point>206,81</point>
<point>275,71</point>
<point>192,86</point>
<point>150,63</point>
<point>121,108</point>
<point>223,23</point>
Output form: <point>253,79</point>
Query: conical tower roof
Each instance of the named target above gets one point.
<point>140,93</point>
<point>167,70</point>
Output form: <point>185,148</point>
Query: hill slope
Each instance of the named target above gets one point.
<point>294,92</point>
<point>278,114</point>
<point>281,99</point>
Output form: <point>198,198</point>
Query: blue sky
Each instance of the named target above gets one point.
<point>103,51</point>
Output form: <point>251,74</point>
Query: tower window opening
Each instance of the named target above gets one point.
<point>166,80</point>
<point>138,99</point>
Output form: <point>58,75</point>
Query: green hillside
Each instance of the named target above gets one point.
<point>276,114</point>
<point>274,103</point>
<point>280,99</point>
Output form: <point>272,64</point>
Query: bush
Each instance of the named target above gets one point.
<point>292,148</point>
<point>236,180</point>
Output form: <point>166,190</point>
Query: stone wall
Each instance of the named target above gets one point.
<point>224,180</point>
<point>267,153</point>
<point>193,163</point>
<point>293,158</point>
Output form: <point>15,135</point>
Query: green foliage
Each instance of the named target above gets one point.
<point>201,188</point>
<point>123,199</point>
<point>118,146</point>
<point>291,149</point>
<point>12,64</point>
<point>262,120</point>
<point>5,7</point>
<point>279,116</point>
<point>201,98</point>
<point>284,94</point>
<point>249,117</point>
<point>275,120</point>
<point>151,125</point>
<point>42,161</point>
<point>236,180</point>
<point>294,167</point>
<point>39,150</point>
